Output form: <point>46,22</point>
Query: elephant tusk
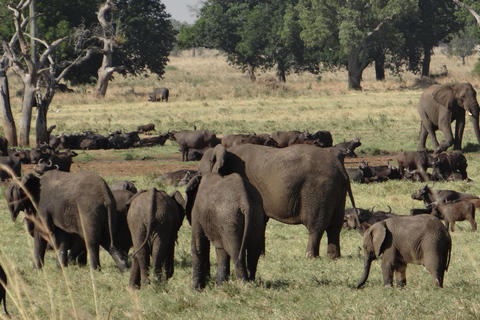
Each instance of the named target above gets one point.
<point>469,113</point>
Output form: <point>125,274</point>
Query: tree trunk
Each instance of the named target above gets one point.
<point>102,82</point>
<point>251,72</point>
<point>380,67</point>
<point>43,136</point>
<point>9,128</point>
<point>193,52</point>
<point>26,119</point>
<point>355,72</point>
<point>426,61</point>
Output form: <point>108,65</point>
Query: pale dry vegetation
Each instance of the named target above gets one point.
<point>208,93</point>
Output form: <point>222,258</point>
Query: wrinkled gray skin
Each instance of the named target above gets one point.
<point>71,203</point>
<point>299,185</point>
<point>421,239</point>
<point>154,218</point>
<point>227,211</point>
<point>439,106</point>
<point>159,94</point>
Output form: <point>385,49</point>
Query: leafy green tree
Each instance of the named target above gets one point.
<point>462,45</point>
<point>352,28</point>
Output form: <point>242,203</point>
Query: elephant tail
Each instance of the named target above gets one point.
<point>246,231</point>
<point>150,221</point>
<point>449,253</point>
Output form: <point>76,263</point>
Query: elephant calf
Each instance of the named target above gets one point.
<point>228,211</point>
<point>421,239</point>
<point>154,219</point>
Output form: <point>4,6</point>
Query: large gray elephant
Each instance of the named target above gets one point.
<point>228,211</point>
<point>300,184</point>
<point>154,218</point>
<point>421,239</point>
<point>439,106</point>
<point>64,207</point>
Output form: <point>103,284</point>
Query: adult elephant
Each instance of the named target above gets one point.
<point>439,106</point>
<point>300,184</point>
<point>63,204</point>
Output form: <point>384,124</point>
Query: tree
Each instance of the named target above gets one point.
<point>351,27</point>
<point>462,45</point>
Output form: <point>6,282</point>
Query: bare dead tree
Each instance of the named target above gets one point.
<point>31,73</point>
<point>105,17</point>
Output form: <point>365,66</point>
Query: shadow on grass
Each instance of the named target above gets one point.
<point>471,147</point>
<point>276,284</point>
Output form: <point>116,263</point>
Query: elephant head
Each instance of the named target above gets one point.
<point>22,196</point>
<point>213,160</point>
<point>462,95</point>
<point>374,243</point>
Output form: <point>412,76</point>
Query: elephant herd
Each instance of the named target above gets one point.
<point>238,188</point>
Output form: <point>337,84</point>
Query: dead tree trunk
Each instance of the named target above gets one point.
<point>105,72</point>
<point>9,128</point>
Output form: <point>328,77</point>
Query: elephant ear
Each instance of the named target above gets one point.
<point>220,154</point>
<point>378,233</point>
<point>444,95</point>
<point>180,202</point>
<point>191,193</point>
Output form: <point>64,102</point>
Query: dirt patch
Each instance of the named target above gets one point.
<point>123,168</point>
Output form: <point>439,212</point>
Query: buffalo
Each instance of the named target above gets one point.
<point>193,139</point>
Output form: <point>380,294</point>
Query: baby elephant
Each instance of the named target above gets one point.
<point>228,211</point>
<point>153,218</point>
<point>456,211</point>
<point>421,239</point>
<point>159,94</point>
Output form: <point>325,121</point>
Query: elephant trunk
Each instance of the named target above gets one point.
<point>475,126</point>
<point>366,272</point>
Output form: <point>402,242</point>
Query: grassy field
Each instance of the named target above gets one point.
<point>207,93</point>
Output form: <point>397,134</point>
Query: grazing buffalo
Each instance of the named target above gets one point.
<point>193,139</point>
<point>287,138</point>
<point>228,140</point>
<point>159,94</point>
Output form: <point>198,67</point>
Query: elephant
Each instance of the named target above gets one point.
<point>439,106</point>
<point>228,211</point>
<point>421,239</point>
<point>159,94</point>
<point>299,185</point>
<point>63,205</point>
<point>154,218</point>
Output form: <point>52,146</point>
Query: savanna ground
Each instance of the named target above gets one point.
<point>207,93</point>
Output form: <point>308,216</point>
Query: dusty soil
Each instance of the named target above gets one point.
<point>160,165</point>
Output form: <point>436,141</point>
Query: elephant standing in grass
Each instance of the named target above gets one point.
<point>439,106</point>
<point>421,239</point>
<point>154,219</point>
<point>298,185</point>
<point>228,211</point>
<point>66,207</point>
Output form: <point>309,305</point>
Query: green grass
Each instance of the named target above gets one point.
<point>288,286</point>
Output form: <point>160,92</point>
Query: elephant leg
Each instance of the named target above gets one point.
<point>459,128</point>
<point>422,138</point>
<point>135,274</point>
<point>241,267</point>
<point>143,259</point>
<point>159,255</point>
<point>387,272</point>
<point>313,247</point>
<point>437,270</point>
<point>223,266</point>
<point>169,260</point>
<point>93,252</point>
<point>252,261</point>
<point>448,142</point>
<point>333,236</point>
<point>63,242</point>
<point>400,275</point>
<point>430,130</point>
<point>473,223</point>
<point>200,258</point>
<point>39,248</point>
